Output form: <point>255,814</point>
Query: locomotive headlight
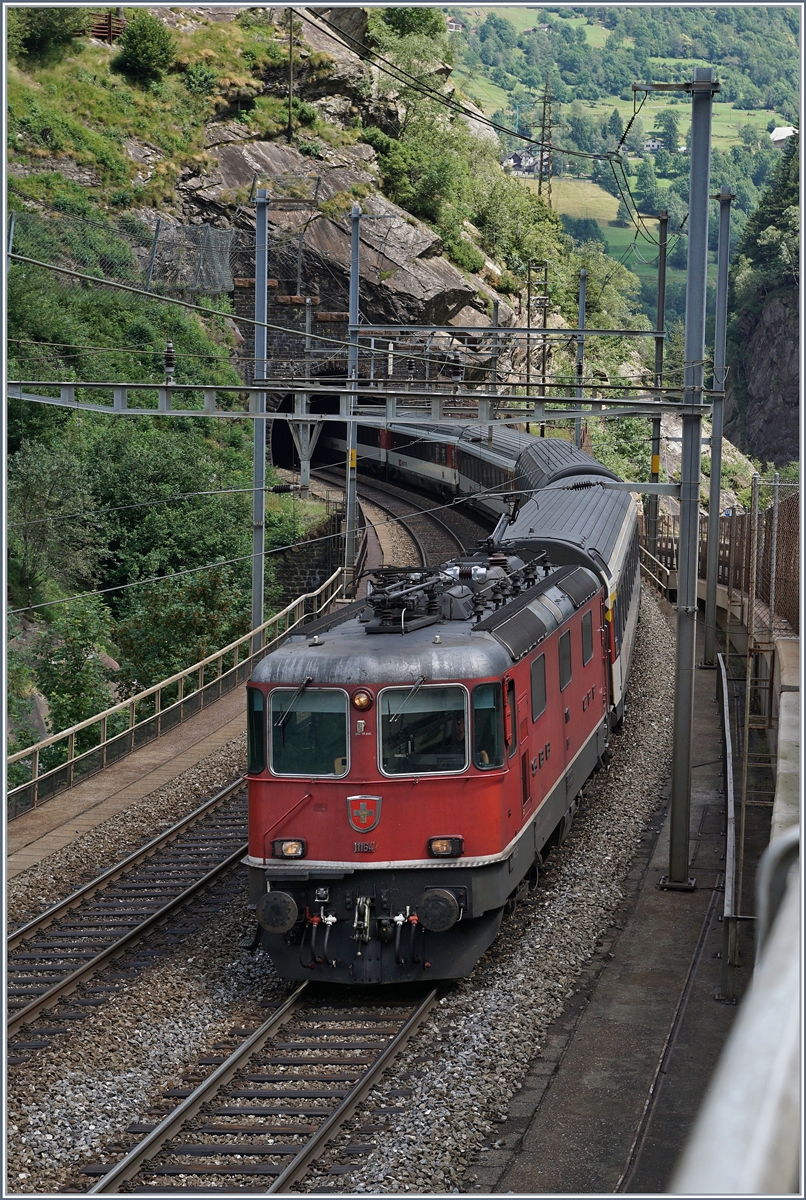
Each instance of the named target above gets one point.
<point>362,700</point>
<point>289,848</point>
<point>445,847</point>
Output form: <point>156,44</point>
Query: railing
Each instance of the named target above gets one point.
<point>655,571</point>
<point>777,552</point>
<point>747,1136</point>
<point>107,26</point>
<point>130,724</point>
<point>730,919</point>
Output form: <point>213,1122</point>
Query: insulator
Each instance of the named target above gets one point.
<point>170,359</point>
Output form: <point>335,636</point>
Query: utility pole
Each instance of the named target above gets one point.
<point>351,501</point>
<point>702,89</point>
<point>717,419</point>
<point>660,326</point>
<point>528,335</point>
<point>545,346</point>
<point>290,132</point>
<point>259,406</point>
<point>545,144</point>
<point>583,277</point>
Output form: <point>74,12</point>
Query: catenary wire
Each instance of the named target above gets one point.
<point>455,503</point>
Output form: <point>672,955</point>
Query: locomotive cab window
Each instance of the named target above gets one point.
<point>587,637</point>
<point>538,687</point>
<point>255,731</point>
<point>488,726</point>
<point>565,660</point>
<point>423,730</point>
<point>308,731</point>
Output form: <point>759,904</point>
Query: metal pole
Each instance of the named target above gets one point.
<point>153,257</point>
<point>717,421</point>
<point>748,683</point>
<point>545,347</point>
<point>528,335</point>
<point>660,326</point>
<point>351,500</point>
<point>494,369</point>
<point>11,224</point>
<point>774,552</point>
<point>305,432</point>
<point>259,462</point>
<point>583,277</point>
<point>702,90</point>
<point>290,131</point>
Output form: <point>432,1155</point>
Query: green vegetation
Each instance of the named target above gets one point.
<point>36,32</point>
<point>147,48</point>
<point>767,259</point>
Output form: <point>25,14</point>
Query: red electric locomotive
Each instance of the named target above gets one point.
<point>413,756</point>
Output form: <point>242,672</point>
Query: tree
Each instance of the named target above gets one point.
<point>198,615</point>
<point>48,535</point>
<point>667,125</point>
<point>646,187</point>
<point>34,31</point>
<point>426,22</point>
<point>663,161</point>
<point>70,671</point>
<point>635,138</point>
<point>623,214</point>
<point>147,47</point>
<point>615,127</point>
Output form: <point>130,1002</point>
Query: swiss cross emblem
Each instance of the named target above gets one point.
<point>364,812</point>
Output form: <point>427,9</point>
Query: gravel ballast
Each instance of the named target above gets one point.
<point>72,1103</point>
<point>467,1062</point>
<point>68,1104</point>
<point>58,875</point>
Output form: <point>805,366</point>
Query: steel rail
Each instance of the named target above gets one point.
<point>311,1151</point>
<point>367,488</point>
<point>152,1142</point>
<point>112,873</point>
<point>69,983</point>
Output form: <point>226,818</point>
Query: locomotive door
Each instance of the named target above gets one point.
<point>527,793</point>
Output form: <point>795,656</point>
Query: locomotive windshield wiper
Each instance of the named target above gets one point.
<point>308,679</point>
<point>409,695</point>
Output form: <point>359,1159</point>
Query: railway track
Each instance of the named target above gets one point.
<point>62,948</point>
<point>269,1109</point>
<point>437,535</point>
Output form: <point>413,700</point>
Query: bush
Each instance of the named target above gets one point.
<point>464,254</point>
<point>37,30</point>
<point>147,47</point>
<point>200,80</point>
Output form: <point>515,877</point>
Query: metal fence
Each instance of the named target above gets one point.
<point>132,723</point>
<point>774,531</point>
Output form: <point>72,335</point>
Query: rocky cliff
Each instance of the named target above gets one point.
<point>762,405</point>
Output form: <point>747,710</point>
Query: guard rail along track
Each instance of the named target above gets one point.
<point>156,710</point>
<point>51,955</point>
<point>269,1109</point>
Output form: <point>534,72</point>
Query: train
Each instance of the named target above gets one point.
<point>414,756</point>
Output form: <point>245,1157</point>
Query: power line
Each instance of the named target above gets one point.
<point>402,76</point>
<point>455,503</point>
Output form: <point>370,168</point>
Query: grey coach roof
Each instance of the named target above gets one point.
<point>588,517</point>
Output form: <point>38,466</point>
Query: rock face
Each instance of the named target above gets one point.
<point>765,421</point>
<point>404,278</point>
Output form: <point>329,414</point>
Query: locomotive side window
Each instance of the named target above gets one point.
<point>308,732</point>
<point>565,660</point>
<point>512,710</point>
<point>538,687</point>
<point>255,731</point>
<point>488,726</point>
<point>587,637</point>
<point>423,731</point>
